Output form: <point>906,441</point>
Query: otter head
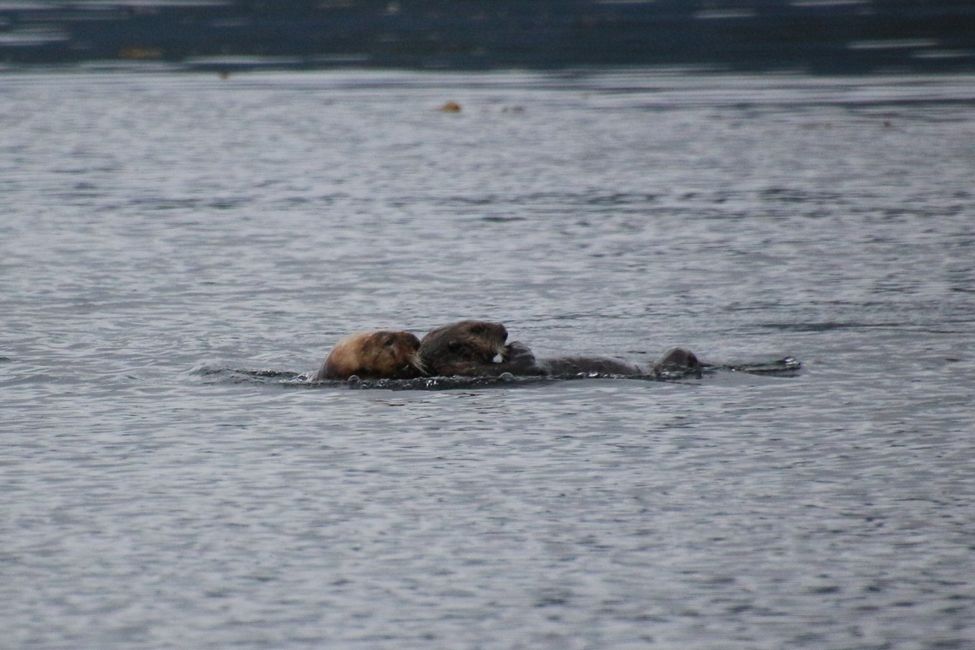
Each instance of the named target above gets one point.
<point>374,355</point>
<point>468,348</point>
<point>678,360</point>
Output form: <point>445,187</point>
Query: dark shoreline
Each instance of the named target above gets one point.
<point>814,36</point>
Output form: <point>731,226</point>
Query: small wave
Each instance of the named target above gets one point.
<point>829,326</point>
<point>784,367</point>
<point>214,374</point>
<point>502,219</point>
<point>434,383</point>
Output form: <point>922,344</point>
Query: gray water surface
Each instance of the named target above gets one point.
<point>164,237</point>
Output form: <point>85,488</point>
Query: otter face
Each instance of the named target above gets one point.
<point>467,348</point>
<point>374,355</point>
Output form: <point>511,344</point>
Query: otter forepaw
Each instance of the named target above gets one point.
<point>519,359</point>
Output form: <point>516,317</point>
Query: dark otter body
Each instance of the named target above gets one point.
<point>677,361</point>
<point>478,348</point>
<point>473,349</point>
<point>565,366</point>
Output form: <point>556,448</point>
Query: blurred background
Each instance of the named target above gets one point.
<point>819,36</point>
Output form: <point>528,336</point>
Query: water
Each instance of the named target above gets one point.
<point>176,248</point>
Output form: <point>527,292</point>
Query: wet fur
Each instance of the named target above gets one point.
<point>470,349</point>
<point>676,360</point>
<point>565,366</point>
<point>373,355</point>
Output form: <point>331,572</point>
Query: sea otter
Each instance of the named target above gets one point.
<point>675,361</point>
<point>379,354</point>
<point>678,360</point>
<point>477,348</point>
<point>473,348</point>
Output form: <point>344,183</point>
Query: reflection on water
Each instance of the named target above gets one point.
<point>165,237</point>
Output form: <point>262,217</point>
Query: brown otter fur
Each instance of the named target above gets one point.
<point>478,348</point>
<point>678,360</point>
<point>473,348</point>
<point>675,361</point>
<point>565,366</point>
<point>381,354</point>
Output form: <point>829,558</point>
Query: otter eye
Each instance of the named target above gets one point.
<point>454,346</point>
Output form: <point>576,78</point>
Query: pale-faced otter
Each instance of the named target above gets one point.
<point>373,355</point>
<point>477,348</point>
<point>473,348</point>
